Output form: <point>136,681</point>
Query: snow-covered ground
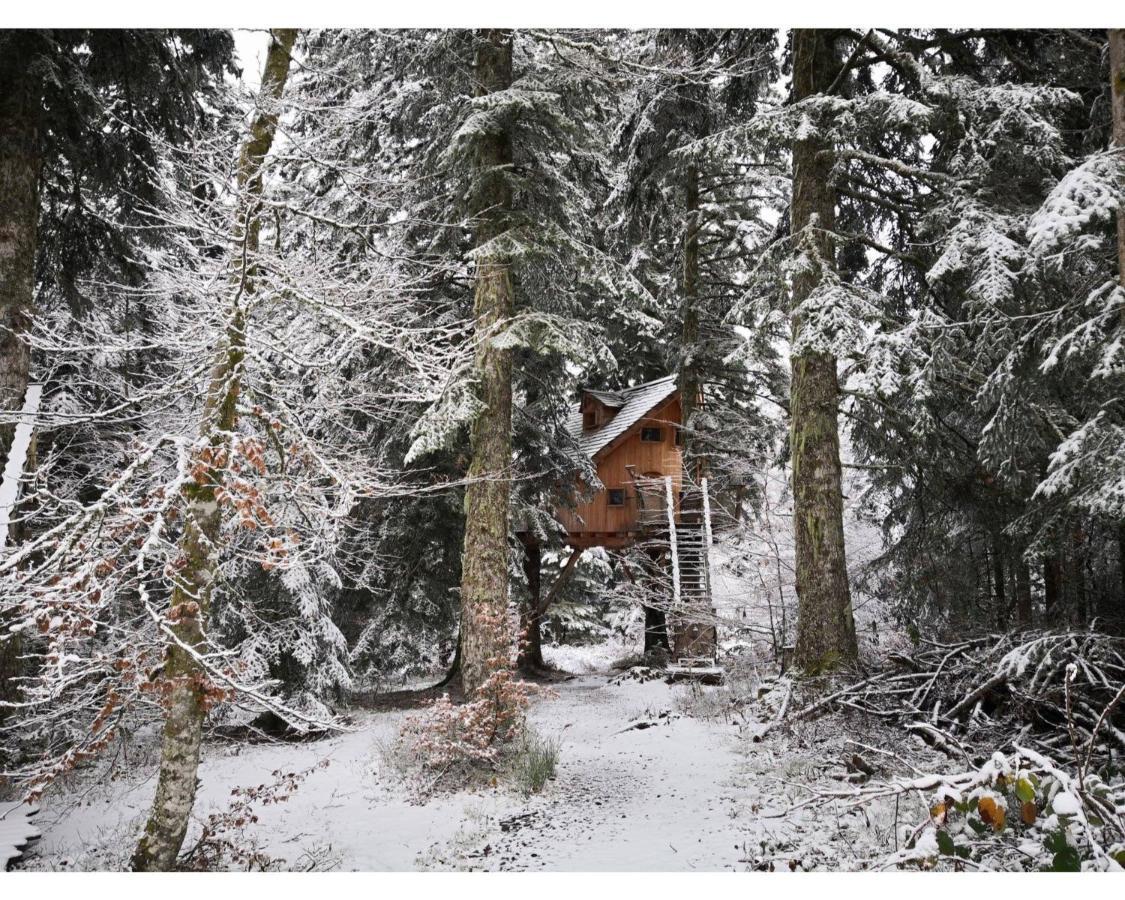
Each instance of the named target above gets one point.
<point>17,830</point>
<point>651,776</point>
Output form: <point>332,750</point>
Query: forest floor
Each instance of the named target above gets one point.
<point>651,776</point>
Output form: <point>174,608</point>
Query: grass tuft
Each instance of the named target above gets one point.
<point>536,762</point>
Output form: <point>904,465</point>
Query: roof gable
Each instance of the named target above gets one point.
<point>636,403</point>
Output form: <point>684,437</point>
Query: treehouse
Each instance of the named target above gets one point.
<point>633,438</point>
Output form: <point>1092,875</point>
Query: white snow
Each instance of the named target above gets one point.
<point>1065,804</point>
<point>17,459</point>
<point>641,785</point>
<point>16,830</point>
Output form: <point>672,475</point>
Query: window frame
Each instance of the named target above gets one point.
<point>610,493</point>
<point>659,439</point>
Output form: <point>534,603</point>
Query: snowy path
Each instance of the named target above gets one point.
<point>639,787</point>
<point>660,796</point>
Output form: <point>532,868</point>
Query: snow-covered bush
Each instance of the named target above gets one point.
<point>1018,811</point>
<point>454,743</point>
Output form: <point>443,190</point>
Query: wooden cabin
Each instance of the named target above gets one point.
<point>633,438</point>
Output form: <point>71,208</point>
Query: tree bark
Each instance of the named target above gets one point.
<point>185,682</point>
<point>1117,97</point>
<point>825,626</point>
<point>485,642</point>
<point>1023,594</point>
<point>1000,599</point>
<point>1078,579</point>
<point>20,163</point>
<point>530,656</point>
<point>689,380</point>
<point>656,630</point>
<point>1052,588</point>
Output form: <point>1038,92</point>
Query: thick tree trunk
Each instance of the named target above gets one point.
<point>184,679</point>
<point>1023,594</point>
<point>485,641</point>
<point>689,379</point>
<point>1117,94</point>
<point>825,627</point>
<point>1117,88</point>
<point>19,218</point>
<point>20,164</point>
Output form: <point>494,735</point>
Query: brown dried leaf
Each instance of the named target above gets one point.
<point>991,813</point>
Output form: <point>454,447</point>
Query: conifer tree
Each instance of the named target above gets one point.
<point>825,626</point>
<point>484,564</point>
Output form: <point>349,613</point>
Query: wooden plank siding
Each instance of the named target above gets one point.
<point>597,523</point>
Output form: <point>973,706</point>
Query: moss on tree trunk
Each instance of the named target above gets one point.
<point>19,220</point>
<point>185,683</point>
<point>484,562</point>
<point>825,628</point>
<point>20,163</point>
<point>1117,94</point>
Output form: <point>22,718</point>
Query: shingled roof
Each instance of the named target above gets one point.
<point>636,402</point>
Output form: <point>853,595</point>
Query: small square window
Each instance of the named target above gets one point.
<point>617,496</point>
<point>652,435</point>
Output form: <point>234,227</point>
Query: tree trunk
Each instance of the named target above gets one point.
<point>1117,95</point>
<point>1000,598</point>
<point>1121,565</point>
<point>20,164</point>
<point>656,630</point>
<point>689,380</point>
<point>1023,594</point>
<point>484,564</point>
<point>825,627</point>
<point>1078,579</point>
<point>1052,588</point>
<point>184,679</point>
<point>530,656</point>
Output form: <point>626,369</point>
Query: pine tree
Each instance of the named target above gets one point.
<point>825,627</point>
<point>484,564</point>
<point>76,107</point>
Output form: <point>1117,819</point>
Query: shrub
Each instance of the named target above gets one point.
<point>454,743</point>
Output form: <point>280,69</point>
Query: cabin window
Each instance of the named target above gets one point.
<point>617,496</point>
<point>652,435</point>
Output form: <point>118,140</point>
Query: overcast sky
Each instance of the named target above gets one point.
<point>251,46</point>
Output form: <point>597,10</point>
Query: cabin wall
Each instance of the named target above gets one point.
<point>591,522</point>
